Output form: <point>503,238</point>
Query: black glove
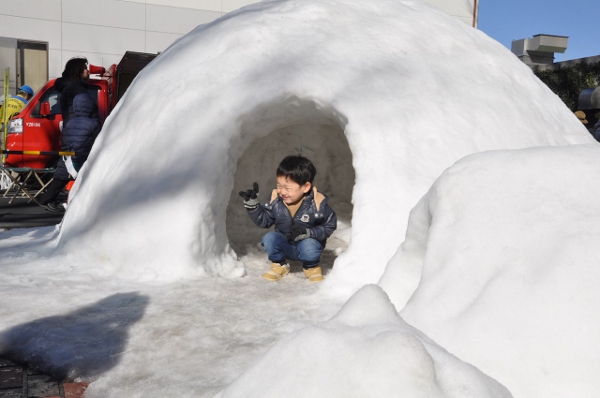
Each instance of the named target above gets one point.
<point>297,233</point>
<point>250,197</point>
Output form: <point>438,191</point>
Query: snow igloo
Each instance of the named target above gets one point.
<point>382,95</point>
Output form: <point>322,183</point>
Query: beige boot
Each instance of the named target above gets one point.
<point>314,274</point>
<point>277,272</point>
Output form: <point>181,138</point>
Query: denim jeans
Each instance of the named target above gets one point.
<point>279,249</point>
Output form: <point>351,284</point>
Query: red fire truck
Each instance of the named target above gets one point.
<point>37,126</point>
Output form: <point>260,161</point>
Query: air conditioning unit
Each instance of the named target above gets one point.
<point>540,49</point>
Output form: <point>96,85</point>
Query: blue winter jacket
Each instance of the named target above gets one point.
<point>314,214</point>
<point>81,131</point>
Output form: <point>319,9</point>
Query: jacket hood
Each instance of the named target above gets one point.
<point>83,105</point>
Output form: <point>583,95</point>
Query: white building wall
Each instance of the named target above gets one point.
<point>102,30</point>
<point>460,9</point>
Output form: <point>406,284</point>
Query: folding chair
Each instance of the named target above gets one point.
<point>18,178</point>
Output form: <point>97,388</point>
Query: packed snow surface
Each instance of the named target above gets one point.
<point>383,96</point>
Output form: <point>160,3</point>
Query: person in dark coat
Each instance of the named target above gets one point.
<point>82,130</point>
<point>78,136</point>
<point>72,82</point>
<point>302,217</point>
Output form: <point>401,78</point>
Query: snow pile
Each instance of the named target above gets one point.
<point>397,89</point>
<point>366,350</point>
<point>503,254</point>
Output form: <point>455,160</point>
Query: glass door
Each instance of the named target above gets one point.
<point>32,63</point>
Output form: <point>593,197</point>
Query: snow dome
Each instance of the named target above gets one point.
<point>382,95</point>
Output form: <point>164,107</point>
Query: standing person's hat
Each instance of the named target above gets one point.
<point>26,89</point>
<point>581,116</point>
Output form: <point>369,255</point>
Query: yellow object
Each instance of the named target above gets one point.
<point>314,274</point>
<point>581,116</point>
<point>13,106</point>
<point>4,115</point>
<point>277,272</point>
<point>48,153</point>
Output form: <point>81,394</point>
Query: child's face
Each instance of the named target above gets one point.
<point>291,192</point>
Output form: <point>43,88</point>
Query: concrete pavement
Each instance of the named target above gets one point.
<point>18,380</point>
<point>21,214</point>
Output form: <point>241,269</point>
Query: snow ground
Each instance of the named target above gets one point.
<point>184,339</point>
<point>195,337</point>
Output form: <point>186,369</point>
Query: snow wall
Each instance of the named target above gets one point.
<point>500,268</point>
<point>411,89</point>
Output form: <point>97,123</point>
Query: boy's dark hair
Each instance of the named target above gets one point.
<point>74,68</point>
<point>297,168</point>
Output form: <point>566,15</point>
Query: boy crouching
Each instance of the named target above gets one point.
<point>303,220</point>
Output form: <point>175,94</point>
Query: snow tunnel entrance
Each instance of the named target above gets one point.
<point>298,128</point>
